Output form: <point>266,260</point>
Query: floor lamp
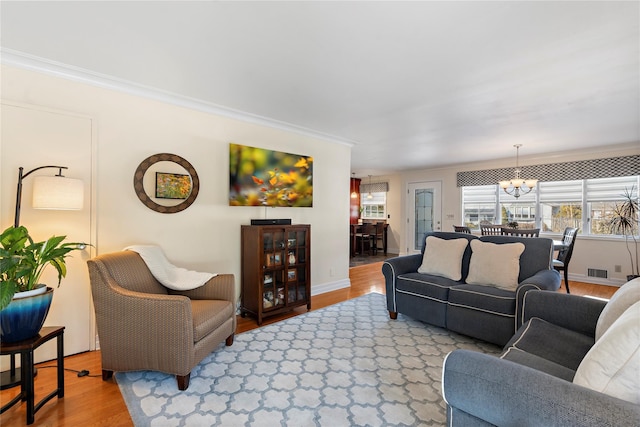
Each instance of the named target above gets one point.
<point>49,192</point>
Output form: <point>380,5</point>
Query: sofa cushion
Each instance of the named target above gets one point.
<point>427,285</point>
<point>552,342</point>
<point>539,363</point>
<point>537,255</point>
<point>209,315</point>
<point>612,366</point>
<point>443,257</point>
<point>484,298</point>
<point>495,264</point>
<point>622,299</point>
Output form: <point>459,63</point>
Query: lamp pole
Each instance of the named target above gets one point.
<point>22,176</point>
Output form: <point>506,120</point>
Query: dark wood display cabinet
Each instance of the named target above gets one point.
<point>276,273</point>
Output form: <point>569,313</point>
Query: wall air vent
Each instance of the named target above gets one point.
<point>594,272</point>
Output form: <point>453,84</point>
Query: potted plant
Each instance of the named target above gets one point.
<point>624,220</point>
<point>22,263</point>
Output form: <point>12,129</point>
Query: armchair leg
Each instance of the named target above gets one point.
<point>183,381</point>
<point>106,375</point>
<point>229,340</point>
<point>393,314</point>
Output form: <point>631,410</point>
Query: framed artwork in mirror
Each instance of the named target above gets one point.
<point>172,185</point>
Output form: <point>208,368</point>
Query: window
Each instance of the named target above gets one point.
<point>560,205</point>
<point>374,207</point>
<point>601,198</point>
<point>479,205</point>
<point>521,210</point>
<point>551,206</point>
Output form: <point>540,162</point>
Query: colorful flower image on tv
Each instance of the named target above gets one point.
<point>260,177</point>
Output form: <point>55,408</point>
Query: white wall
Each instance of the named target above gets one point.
<point>601,253</point>
<point>206,236</point>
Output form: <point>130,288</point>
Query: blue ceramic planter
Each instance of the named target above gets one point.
<point>23,318</point>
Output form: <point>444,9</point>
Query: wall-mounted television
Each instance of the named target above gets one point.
<point>260,177</point>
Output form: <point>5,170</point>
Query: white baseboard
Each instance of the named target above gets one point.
<point>595,280</point>
<point>331,286</point>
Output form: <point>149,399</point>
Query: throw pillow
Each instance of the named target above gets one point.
<point>612,366</point>
<point>443,257</point>
<point>623,298</point>
<point>495,264</point>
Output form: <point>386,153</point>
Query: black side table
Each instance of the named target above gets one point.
<point>25,348</point>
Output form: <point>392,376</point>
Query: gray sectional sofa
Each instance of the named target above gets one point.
<point>574,362</point>
<point>482,310</point>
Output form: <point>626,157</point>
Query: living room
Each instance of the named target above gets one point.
<point>101,127</point>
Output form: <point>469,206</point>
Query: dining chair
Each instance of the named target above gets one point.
<point>521,232</point>
<point>364,237</point>
<point>561,263</point>
<point>378,237</point>
<point>490,229</point>
<point>461,229</point>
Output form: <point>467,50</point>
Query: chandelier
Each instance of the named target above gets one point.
<point>517,186</point>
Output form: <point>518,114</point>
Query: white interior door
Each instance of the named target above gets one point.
<point>424,212</point>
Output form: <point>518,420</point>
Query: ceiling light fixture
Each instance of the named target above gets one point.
<point>369,195</point>
<point>354,195</point>
<point>517,186</point>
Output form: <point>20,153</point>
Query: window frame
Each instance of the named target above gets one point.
<point>374,201</point>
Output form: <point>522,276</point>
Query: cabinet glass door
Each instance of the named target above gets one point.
<point>273,283</point>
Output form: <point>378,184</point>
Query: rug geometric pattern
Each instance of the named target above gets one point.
<point>344,365</point>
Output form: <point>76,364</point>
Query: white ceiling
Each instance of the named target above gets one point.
<point>409,84</point>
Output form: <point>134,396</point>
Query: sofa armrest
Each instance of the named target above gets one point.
<point>392,267</point>
<point>139,323</point>
<point>505,393</point>
<point>574,312</point>
<point>546,280</point>
<point>220,287</point>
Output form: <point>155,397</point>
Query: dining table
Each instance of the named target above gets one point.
<point>558,245</point>
<point>357,228</point>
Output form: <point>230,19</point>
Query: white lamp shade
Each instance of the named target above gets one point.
<point>58,192</point>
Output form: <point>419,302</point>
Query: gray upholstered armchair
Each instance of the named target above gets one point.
<point>144,326</point>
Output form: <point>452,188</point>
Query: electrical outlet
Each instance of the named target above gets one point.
<point>617,268</point>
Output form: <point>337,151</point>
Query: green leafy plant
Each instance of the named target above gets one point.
<point>22,261</point>
<point>624,220</point>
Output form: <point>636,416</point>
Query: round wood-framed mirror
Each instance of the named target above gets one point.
<point>166,183</point>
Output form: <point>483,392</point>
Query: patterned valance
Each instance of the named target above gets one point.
<point>584,169</point>
<point>374,187</point>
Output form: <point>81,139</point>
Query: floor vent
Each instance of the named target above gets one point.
<point>594,272</point>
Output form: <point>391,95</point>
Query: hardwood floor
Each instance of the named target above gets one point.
<point>89,401</point>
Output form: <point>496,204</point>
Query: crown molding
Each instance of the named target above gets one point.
<point>30,62</point>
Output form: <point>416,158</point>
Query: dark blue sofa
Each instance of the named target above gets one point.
<point>480,311</point>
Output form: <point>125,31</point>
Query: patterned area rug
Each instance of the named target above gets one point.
<point>343,365</point>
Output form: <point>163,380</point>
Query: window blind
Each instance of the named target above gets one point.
<point>374,187</point>
<point>567,171</point>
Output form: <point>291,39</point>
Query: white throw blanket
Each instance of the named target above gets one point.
<point>176,278</point>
